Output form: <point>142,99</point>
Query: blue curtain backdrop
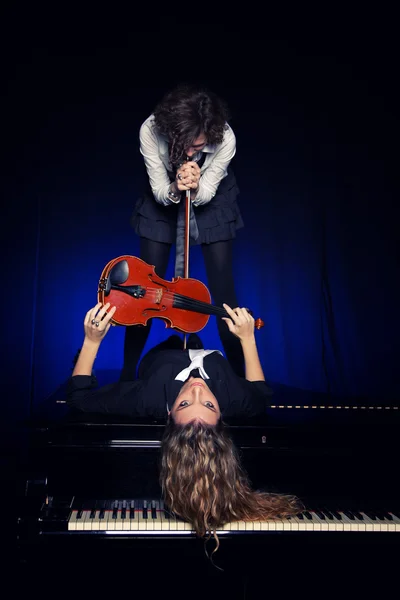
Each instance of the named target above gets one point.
<point>317,259</point>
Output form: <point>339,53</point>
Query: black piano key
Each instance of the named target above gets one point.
<point>123,513</point>
<point>328,514</point>
<point>102,508</point>
<point>395,514</point>
<point>153,510</point>
<point>320,514</point>
<point>92,513</point>
<point>115,513</point>
<point>145,515</point>
<point>349,514</point>
<point>300,516</point>
<point>337,515</point>
<point>307,515</point>
<point>79,513</point>
<point>371,515</point>
<point>379,514</point>
<point>358,515</point>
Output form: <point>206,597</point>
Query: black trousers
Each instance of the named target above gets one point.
<point>219,269</point>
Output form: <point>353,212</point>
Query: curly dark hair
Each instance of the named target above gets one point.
<point>204,483</point>
<point>185,113</point>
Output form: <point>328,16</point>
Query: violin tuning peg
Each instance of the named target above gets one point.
<point>258,323</point>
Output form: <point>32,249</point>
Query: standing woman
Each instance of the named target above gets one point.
<point>187,144</point>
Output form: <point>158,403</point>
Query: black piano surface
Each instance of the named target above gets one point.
<point>338,458</point>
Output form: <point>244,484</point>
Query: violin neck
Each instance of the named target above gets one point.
<point>187,303</point>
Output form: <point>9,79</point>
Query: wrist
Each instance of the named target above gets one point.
<point>173,193</point>
<point>90,345</point>
<point>248,342</point>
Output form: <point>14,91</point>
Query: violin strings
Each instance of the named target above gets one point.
<point>191,303</point>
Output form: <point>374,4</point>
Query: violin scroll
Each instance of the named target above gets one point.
<point>258,323</point>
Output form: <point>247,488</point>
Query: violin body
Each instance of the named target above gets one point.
<point>139,294</point>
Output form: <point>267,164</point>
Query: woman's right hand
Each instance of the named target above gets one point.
<point>241,323</point>
<point>97,322</point>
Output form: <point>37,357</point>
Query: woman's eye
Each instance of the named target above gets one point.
<point>184,403</point>
<point>210,404</point>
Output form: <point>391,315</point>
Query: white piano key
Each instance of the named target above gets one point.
<point>238,526</point>
<point>314,524</point>
<point>87,521</point>
<point>396,522</point>
<point>80,522</point>
<point>133,518</point>
<point>96,521</point>
<point>142,522</point>
<point>108,514</point>
<point>304,525</point>
<point>370,525</point>
<point>72,521</point>
<point>180,525</point>
<point>103,521</point>
<point>323,524</point>
<point>165,523</point>
<point>336,524</point>
<point>391,524</point>
<point>250,525</point>
<point>293,524</point>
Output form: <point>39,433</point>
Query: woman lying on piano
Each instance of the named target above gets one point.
<point>195,390</point>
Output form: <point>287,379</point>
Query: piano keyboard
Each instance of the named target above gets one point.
<point>149,517</point>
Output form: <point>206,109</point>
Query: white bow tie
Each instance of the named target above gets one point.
<point>197,357</point>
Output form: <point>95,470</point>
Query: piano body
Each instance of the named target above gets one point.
<point>91,495</point>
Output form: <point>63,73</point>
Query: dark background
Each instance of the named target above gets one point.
<point>314,108</point>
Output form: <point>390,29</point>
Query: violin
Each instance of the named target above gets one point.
<point>139,294</point>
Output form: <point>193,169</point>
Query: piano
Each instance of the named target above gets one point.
<point>90,491</point>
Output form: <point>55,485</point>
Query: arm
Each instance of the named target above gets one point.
<point>213,175</point>
<point>204,186</point>
<point>253,368</point>
<point>81,393</point>
<point>94,334</point>
<point>158,176</point>
<point>241,324</point>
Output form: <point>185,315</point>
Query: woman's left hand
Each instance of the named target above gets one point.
<point>97,322</point>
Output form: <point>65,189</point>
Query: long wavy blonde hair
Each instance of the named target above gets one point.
<point>204,483</point>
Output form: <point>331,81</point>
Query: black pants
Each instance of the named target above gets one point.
<point>219,269</point>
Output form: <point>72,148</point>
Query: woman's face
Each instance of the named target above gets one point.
<point>197,145</point>
<point>195,401</point>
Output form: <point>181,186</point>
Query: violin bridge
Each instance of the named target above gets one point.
<point>159,295</point>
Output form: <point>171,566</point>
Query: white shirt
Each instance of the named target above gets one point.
<point>154,148</point>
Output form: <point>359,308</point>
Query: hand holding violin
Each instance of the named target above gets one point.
<point>241,322</point>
